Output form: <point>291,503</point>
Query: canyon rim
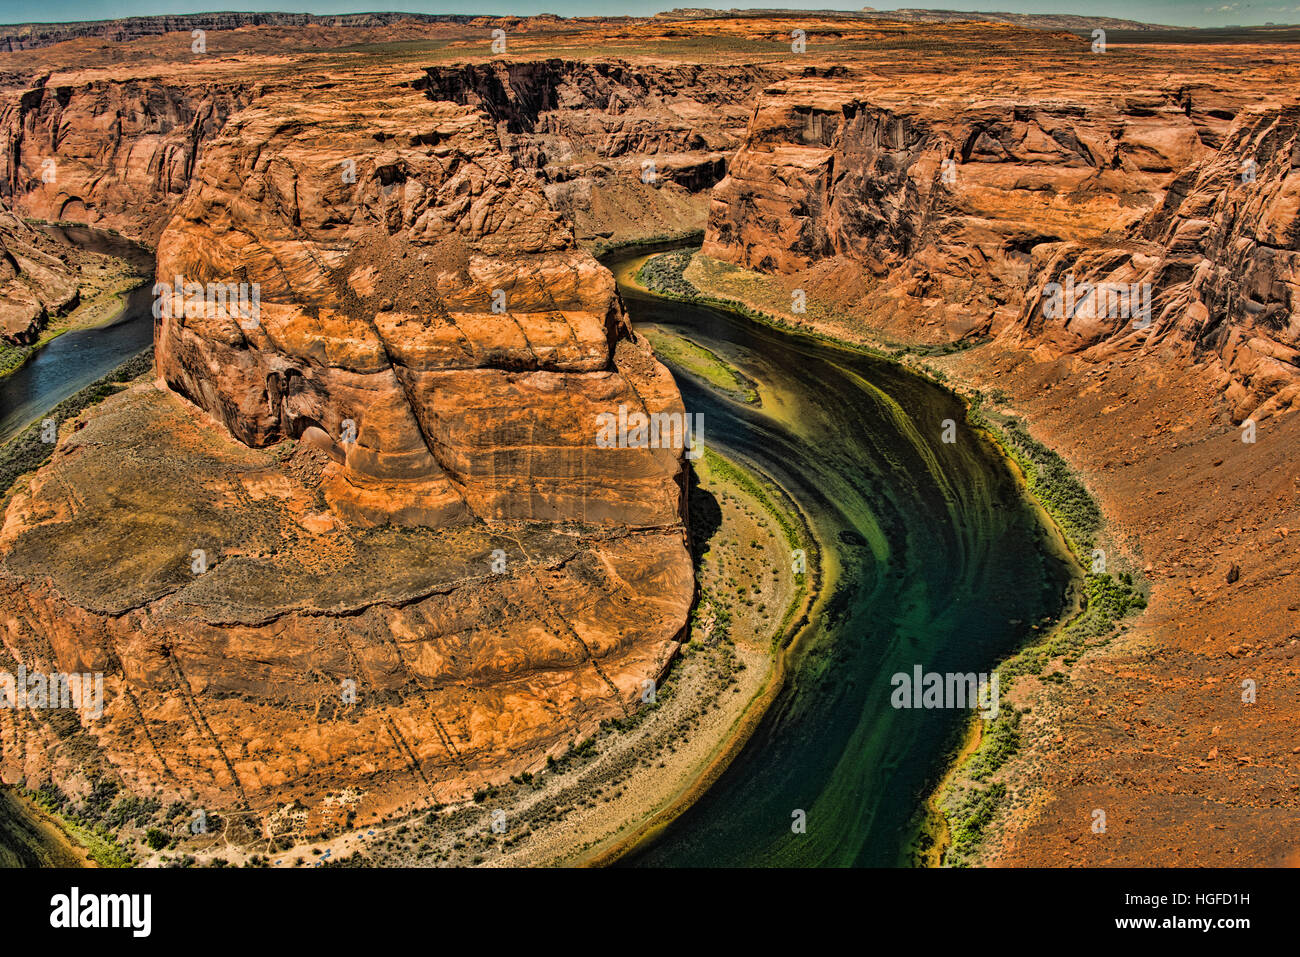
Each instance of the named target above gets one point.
<point>347,548</point>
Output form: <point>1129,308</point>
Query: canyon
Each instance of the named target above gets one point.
<point>435,342</point>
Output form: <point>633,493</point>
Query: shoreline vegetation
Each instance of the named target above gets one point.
<point>34,837</point>
<point>26,452</point>
<point>973,792</point>
<point>969,794</point>
<point>43,828</point>
<point>40,829</point>
<point>102,299</point>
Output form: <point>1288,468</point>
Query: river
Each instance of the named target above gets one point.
<point>933,557</point>
<point>72,361</point>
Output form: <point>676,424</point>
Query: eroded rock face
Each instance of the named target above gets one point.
<point>940,203</point>
<point>388,477</point>
<point>1219,259</point>
<point>960,215</point>
<point>113,155</point>
<point>35,281</point>
<point>622,148</point>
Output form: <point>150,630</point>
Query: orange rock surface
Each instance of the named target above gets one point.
<point>417,571</point>
<point>929,179</point>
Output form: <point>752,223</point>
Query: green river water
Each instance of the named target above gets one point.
<point>932,557</point>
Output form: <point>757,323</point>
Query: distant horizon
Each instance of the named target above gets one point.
<point>1165,12</point>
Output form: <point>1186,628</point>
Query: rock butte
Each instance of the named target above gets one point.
<point>367,560</point>
<point>824,171</point>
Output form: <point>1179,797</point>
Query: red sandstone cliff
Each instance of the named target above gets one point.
<point>396,487</point>
<point>36,281</point>
<point>958,215</point>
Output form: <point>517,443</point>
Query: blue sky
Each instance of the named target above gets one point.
<point>1181,12</point>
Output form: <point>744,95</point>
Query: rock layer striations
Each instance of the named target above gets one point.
<point>366,538</point>
<point>954,218</point>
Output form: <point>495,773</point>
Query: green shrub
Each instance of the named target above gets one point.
<point>663,274</point>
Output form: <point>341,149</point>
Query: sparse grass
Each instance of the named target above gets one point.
<point>701,363</point>
<point>718,672</point>
<point>12,357</point>
<point>1107,599</point>
<point>662,274</point>
<point>25,452</point>
<point>795,536</point>
<point>930,350</point>
<point>969,820</point>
